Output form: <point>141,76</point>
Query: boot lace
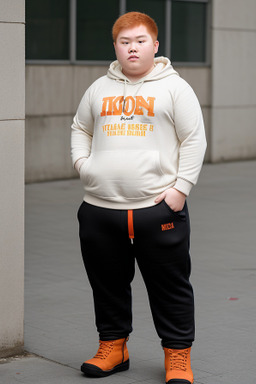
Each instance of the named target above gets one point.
<point>178,359</point>
<point>104,350</point>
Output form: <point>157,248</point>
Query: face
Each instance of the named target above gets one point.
<point>135,50</point>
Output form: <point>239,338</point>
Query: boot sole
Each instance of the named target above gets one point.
<point>179,381</point>
<point>94,371</point>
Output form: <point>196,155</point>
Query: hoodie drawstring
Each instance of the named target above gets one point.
<point>125,88</point>
<point>125,92</point>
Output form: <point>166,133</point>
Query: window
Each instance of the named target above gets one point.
<point>188,31</point>
<point>47,29</point>
<point>93,29</point>
<point>79,31</point>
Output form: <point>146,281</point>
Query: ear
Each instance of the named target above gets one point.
<point>156,45</point>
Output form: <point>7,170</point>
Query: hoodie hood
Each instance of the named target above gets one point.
<point>162,68</point>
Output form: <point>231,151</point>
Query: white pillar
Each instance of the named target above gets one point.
<point>233,134</point>
<point>12,118</point>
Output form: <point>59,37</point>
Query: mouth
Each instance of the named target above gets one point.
<point>133,58</point>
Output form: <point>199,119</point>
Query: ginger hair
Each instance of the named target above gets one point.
<point>134,19</point>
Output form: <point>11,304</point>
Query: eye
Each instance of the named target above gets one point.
<point>141,41</point>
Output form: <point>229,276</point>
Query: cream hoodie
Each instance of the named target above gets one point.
<point>138,138</point>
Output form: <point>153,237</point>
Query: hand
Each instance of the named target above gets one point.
<point>174,198</point>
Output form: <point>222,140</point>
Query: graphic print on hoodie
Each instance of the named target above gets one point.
<point>138,138</point>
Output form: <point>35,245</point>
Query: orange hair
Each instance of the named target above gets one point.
<point>134,19</point>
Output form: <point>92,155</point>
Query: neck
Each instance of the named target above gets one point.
<point>133,77</point>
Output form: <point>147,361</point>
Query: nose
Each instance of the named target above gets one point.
<point>132,48</point>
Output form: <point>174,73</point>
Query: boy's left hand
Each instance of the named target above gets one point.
<point>174,198</point>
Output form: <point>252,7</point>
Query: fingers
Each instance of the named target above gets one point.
<point>160,197</point>
<point>174,198</point>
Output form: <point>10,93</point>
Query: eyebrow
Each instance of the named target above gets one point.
<point>136,37</point>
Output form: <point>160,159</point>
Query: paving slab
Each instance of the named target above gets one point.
<point>34,369</point>
<point>59,316</point>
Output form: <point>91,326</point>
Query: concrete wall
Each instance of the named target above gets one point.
<point>200,80</point>
<point>53,93</point>
<point>226,91</point>
<point>52,97</point>
<point>233,133</point>
<point>12,115</point>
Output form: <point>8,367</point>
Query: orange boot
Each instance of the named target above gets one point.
<point>112,357</point>
<point>178,366</point>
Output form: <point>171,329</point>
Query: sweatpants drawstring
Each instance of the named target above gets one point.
<point>130,225</point>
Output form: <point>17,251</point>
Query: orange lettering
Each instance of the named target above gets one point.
<point>107,106</point>
<point>118,110</point>
<point>114,105</point>
<point>166,227</point>
<point>127,100</point>
<point>141,103</point>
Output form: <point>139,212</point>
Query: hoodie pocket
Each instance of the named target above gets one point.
<point>132,174</point>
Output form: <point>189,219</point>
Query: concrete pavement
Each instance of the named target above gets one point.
<point>59,317</point>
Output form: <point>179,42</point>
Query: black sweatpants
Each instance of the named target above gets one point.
<point>158,239</point>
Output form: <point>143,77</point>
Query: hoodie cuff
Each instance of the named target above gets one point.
<point>183,186</point>
<point>78,163</point>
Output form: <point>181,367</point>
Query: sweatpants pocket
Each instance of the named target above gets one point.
<point>180,215</point>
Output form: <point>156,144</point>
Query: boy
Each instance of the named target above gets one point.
<point>138,143</point>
